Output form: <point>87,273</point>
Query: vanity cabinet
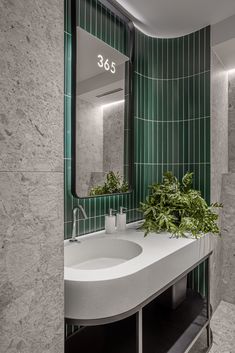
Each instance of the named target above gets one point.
<point>153,327</point>
<point>117,337</point>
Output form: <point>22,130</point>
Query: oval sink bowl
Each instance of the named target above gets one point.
<point>95,254</point>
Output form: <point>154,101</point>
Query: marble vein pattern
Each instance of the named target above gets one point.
<point>223,327</point>
<point>219,161</point>
<point>31,262</point>
<point>231,119</point>
<point>31,66</point>
<point>228,238</point>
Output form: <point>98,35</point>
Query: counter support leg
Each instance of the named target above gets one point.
<point>139,331</point>
<point>208,303</point>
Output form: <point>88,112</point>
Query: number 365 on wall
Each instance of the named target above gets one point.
<point>102,63</point>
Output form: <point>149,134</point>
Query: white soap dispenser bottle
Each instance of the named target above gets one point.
<point>110,222</point>
<point>121,219</point>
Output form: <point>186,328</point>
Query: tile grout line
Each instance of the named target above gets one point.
<point>199,109</point>
<point>32,171</point>
<point>173,163</point>
<point>171,79</point>
<point>183,111</point>
<point>194,104</point>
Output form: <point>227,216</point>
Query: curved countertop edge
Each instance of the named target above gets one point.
<point>134,310</point>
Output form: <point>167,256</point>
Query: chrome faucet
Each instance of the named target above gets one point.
<point>75,221</point>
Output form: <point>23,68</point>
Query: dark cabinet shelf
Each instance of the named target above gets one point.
<point>173,331</point>
<point>164,330</point>
<point>117,337</point>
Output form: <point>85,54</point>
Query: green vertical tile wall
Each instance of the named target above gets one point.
<point>171,110</point>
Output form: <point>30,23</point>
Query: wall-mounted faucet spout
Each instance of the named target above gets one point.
<point>75,229</point>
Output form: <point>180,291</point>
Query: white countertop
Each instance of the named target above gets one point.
<point>106,292</point>
<point>155,247</point>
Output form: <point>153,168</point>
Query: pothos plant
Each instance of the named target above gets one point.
<point>113,184</point>
<point>177,208</point>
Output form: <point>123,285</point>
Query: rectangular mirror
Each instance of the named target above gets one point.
<point>102,139</point>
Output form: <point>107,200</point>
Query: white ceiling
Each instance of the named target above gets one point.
<point>174,18</point>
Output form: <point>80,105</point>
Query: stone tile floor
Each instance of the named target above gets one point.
<point>223,327</point>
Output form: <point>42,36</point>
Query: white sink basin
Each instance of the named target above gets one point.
<point>110,275</point>
<point>96,254</point>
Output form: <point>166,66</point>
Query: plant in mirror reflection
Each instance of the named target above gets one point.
<point>175,207</point>
<point>114,184</point>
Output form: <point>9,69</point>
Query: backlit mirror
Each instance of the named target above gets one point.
<point>102,118</point>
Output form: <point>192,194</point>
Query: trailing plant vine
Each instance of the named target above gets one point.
<point>176,208</point>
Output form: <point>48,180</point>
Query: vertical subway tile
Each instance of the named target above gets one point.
<point>181,99</point>
<point>67,127</point>
<point>201,95</point>
<point>202,67</point>
<point>185,56</point>
<point>175,58</point>
<point>197,140</point>
<point>196,52</point>
<point>207,48</point>
<point>191,54</point>
<point>93,23</point>
<point>186,142</point>
<point>181,142</point>
<point>68,198</point>
<point>67,16</point>
<point>169,58</point>
<point>165,58</point>
<point>207,132</point>
<point>181,56</point>
<point>160,58</point>
<point>68,63</point>
<point>164,92</point>
<point>196,96</point>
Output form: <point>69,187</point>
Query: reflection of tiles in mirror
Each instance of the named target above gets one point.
<point>223,328</point>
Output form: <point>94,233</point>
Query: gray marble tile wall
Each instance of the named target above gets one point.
<point>219,160</point>
<point>228,199</point>
<point>231,120</point>
<point>228,238</point>
<point>31,176</point>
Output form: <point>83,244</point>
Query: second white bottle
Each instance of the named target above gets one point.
<point>121,219</point>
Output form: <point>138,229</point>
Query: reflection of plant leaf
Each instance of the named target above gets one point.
<point>113,184</point>
<point>177,208</point>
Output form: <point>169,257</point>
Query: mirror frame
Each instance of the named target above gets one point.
<point>117,10</point>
